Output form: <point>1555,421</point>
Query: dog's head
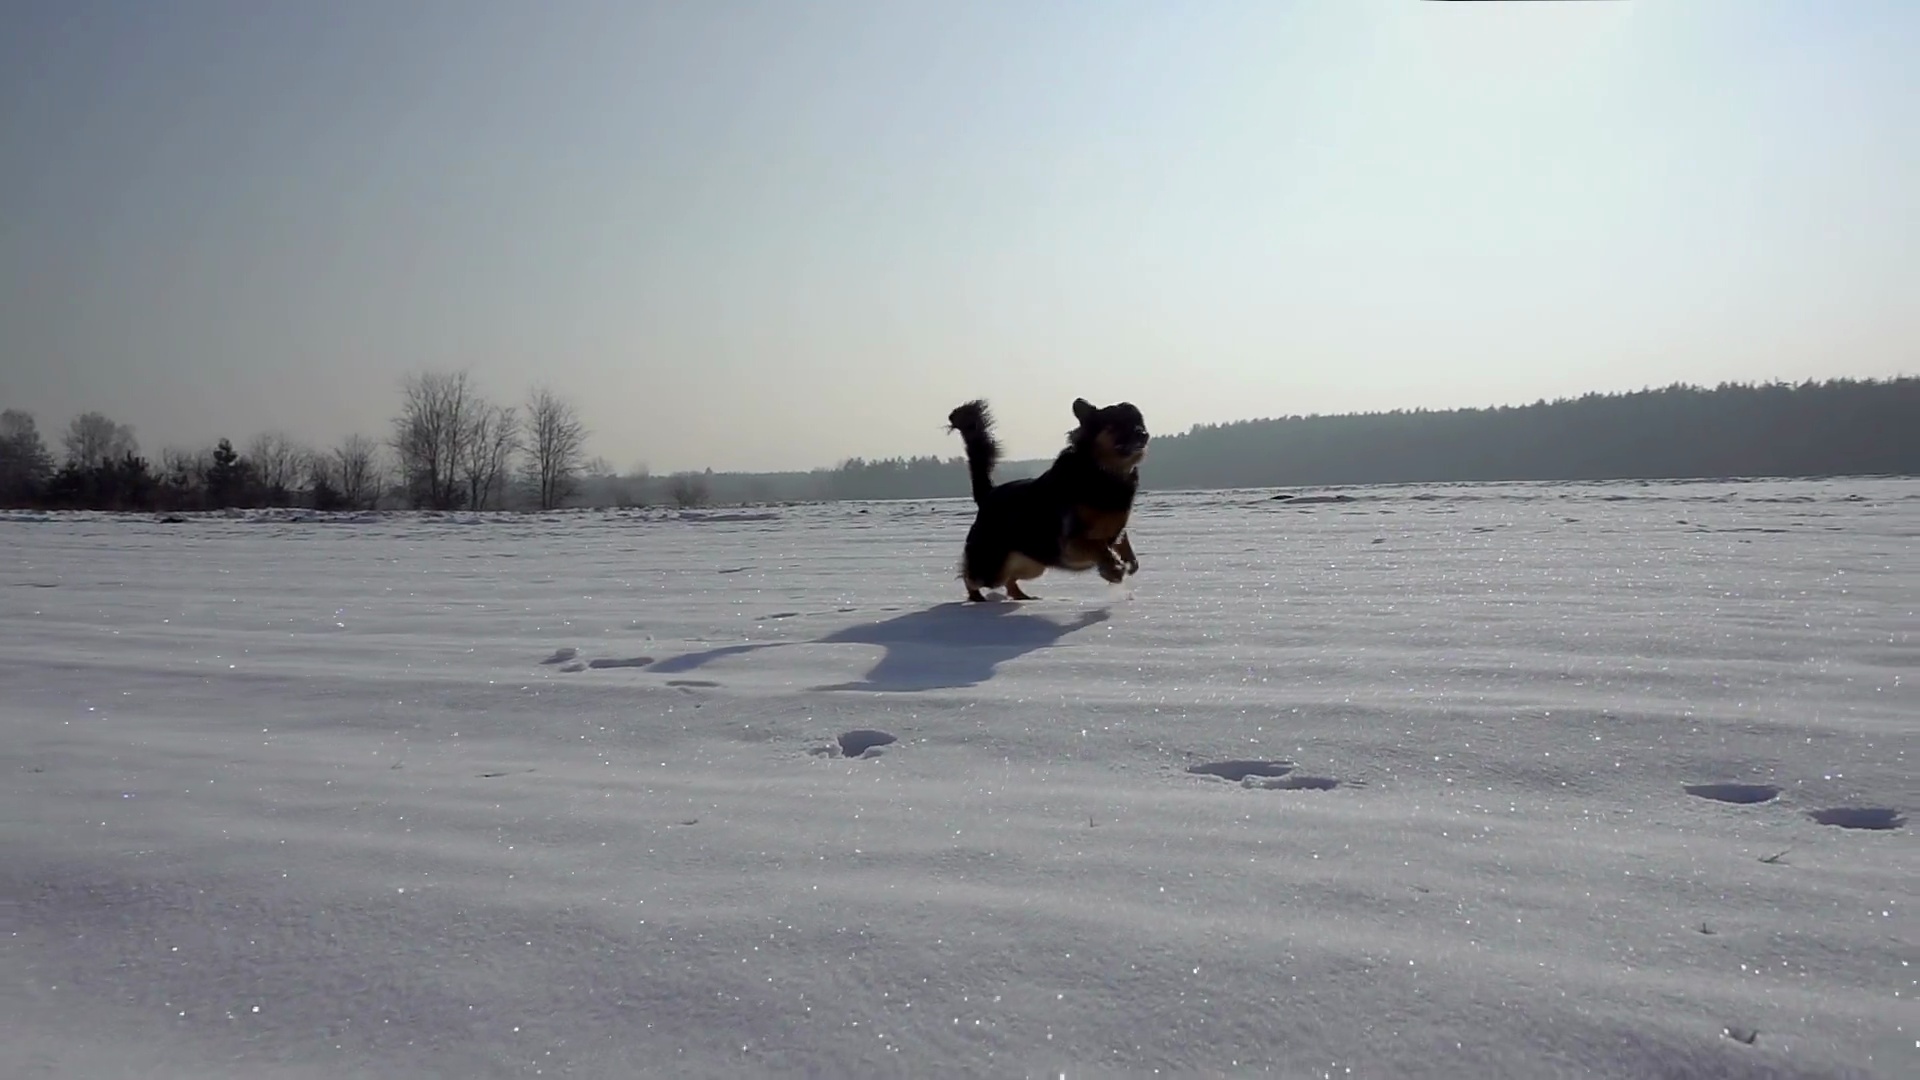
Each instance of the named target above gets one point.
<point>1116,435</point>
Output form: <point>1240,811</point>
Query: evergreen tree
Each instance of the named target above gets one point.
<point>229,478</point>
<point>25,464</point>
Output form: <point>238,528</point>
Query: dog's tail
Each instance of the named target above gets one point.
<point>975,425</point>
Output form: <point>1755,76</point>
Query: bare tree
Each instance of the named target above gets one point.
<point>487,460</point>
<point>18,424</point>
<point>178,460</point>
<point>92,439</point>
<point>688,489</point>
<point>556,444</point>
<point>184,470</point>
<point>278,461</point>
<point>431,435</point>
<point>355,470</point>
<point>634,487</point>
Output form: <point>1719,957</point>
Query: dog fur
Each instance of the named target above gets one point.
<point>1071,517</point>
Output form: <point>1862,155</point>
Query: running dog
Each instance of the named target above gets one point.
<point>1071,517</point>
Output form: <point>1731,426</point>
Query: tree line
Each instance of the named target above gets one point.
<point>1832,428</point>
<point>452,448</point>
<point>449,448</point>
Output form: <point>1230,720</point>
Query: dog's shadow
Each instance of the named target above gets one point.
<point>942,647</point>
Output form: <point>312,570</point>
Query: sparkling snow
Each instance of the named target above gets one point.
<point>1482,781</point>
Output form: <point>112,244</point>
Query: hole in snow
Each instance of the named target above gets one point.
<point>859,741</point>
<point>1859,817</point>
<point>1735,793</point>
<point>1240,770</point>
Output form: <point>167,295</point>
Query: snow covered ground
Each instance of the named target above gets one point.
<point>1475,781</point>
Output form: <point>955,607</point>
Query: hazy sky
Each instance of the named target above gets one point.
<point>773,235</point>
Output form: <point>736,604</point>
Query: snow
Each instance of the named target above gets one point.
<point>1494,781</point>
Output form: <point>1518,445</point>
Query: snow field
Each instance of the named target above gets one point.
<point>1478,780</point>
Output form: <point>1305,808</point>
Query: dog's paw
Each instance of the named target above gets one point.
<point>1114,573</point>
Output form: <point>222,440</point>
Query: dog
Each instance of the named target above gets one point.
<point>1071,517</point>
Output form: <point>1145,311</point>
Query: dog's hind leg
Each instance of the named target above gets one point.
<point>1021,568</point>
<point>973,587</point>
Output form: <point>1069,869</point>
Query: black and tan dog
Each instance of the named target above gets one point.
<point>1073,516</point>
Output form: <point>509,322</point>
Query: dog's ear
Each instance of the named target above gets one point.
<point>1083,410</point>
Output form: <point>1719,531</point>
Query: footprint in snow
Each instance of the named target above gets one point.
<point>1299,783</point>
<point>1842,817</point>
<point>857,742</point>
<point>1240,770</point>
<point>632,661</point>
<point>1269,775</point>
<point>561,656</point>
<point>1859,817</point>
<point>1741,794</point>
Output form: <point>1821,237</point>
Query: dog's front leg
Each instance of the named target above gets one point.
<point>1087,554</point>
<point>1124,548</point>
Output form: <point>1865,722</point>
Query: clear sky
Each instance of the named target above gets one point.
<point>773,235</point>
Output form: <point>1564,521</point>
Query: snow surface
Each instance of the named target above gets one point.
<point>1533,781</point>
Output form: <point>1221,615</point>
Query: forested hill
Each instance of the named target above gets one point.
<point>1811,429</point>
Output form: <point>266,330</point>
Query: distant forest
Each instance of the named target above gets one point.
<point>452,449</point>
<point>1838,427</point>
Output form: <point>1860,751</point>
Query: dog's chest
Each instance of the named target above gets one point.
<point>1097,523</point>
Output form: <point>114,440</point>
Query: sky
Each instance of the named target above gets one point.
<point>774,235</point>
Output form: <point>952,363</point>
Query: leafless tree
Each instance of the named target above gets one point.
<point>556,444</point>
<point>635,488</point>
<point>487,460</point>
<point>688,489</point>
<point>431,436</point>
<point>18,424</point>
<point>93,439</point>
<point>279,462</point>
<point>184,468</point>
<point>354,468</point>
<point>180,460</point>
